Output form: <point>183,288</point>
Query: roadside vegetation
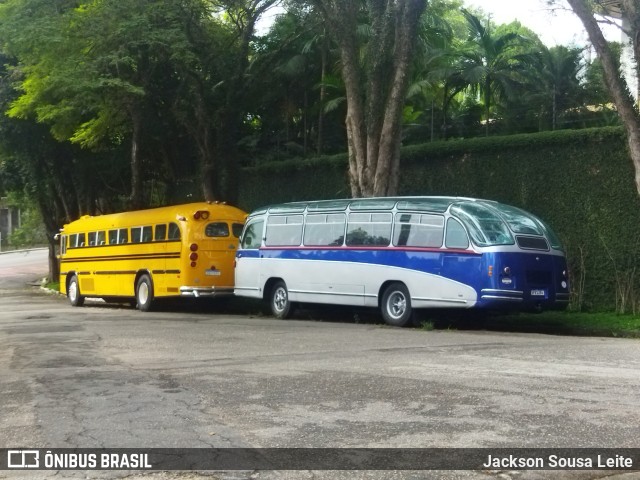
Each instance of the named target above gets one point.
<point>602,324</point>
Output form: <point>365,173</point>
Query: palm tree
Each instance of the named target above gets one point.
<point>488,63</point>
<point>556,73</point>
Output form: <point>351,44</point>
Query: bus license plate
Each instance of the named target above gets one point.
<point>212,273</point>
<point>538,293</point>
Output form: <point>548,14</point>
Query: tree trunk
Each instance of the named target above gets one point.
<point>50,217</point>
<point>323,72</point>
<point>615,83</point>
<point>375,95</point>
<point>135,199</point>
<point>487,105</point>
<point>554,108</point>
<point>631,10</point>
<point>54,263</point>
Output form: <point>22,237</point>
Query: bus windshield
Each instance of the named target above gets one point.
<point>485,226</point>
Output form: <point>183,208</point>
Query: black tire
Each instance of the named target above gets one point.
<point>279,301</point>
<point>73,292</point>
<point>144,293</point>
<point>396,305</point>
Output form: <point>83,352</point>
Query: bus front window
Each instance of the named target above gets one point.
<point>252,236</point>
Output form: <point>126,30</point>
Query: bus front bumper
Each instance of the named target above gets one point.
<point>206,291</point>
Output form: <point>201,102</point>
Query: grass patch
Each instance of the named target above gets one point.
<point>52,286</point>
<point>552,323</point>
<point>427,326</point>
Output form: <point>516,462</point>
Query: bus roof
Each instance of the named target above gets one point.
<point>217,211</point>
<point>426,204</point>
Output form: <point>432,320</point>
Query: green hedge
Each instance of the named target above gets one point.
<point>580,182</point>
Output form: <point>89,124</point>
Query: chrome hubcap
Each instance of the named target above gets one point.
<point>280,299</point>
<point>396,305</point>
<point>143,293</point>
<point>73,291</point>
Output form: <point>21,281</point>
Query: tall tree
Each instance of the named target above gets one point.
<point>243,16</point>
<point>587,10</point>
<point>376,83</point>
<point>559,69</point>
<point>88,70</point>
<point>488,63</point>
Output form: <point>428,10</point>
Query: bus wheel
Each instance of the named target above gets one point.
<point>396,305</point>
<point>279,301</point>
<point>73,293</point>
<point>144,293</point>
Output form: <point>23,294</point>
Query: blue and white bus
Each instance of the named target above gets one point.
<point>401,254</point>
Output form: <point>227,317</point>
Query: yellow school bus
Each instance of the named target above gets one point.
<point>181,250</point>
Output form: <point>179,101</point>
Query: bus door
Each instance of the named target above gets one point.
<point>248,259</point>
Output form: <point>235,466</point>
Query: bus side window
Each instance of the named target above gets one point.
<point>236,229</point>
<point>147,234</point>
<point>284,231</point>
<point>369,229</point>
<point>92,239</point>
<point>123,235</point>
<point>418,230</point>
<point>325,230</point>
<point>136,234</point>
<point>100,240</point>
<point>174,231</point>
<point>161,232</point>
<point>140,234</point>
<point>113,237</point>
<point>456,235</point>
<point>76,240</point>
<point>63,244</point>
<point>252,236</point>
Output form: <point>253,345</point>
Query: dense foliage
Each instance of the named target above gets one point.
<point>157,92</point>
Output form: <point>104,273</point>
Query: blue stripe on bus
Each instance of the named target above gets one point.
<point>529,270</point>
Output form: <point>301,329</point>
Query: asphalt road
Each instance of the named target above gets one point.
<point>110,376</point>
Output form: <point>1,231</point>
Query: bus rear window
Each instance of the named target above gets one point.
<point>217,229</point>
